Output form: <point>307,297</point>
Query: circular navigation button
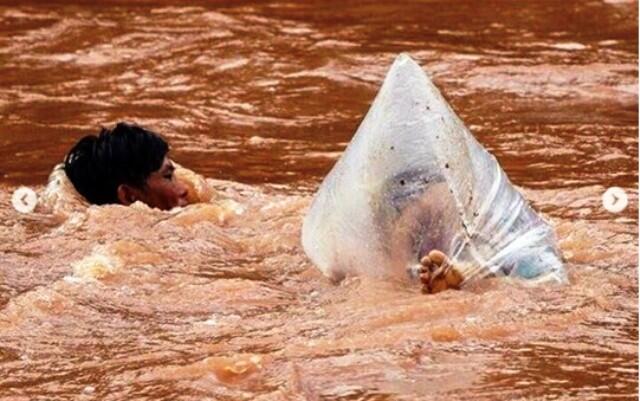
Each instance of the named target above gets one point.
<point>24,200</point>
<point>615,199</point>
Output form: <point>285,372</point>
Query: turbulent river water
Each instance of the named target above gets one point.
<point>217,300</point>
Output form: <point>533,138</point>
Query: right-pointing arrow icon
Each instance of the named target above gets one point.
<point>615,199</point>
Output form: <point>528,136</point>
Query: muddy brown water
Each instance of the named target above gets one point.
<point>114,303</point>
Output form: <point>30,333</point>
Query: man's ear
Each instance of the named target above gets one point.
<point>127,194</point>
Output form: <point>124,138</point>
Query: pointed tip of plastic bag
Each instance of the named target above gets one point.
<point>403,59</point>
<point>405,67</point>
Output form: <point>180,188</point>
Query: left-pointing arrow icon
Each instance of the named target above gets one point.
<point>24,200</point>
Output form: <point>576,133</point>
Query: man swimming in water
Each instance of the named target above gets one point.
<point>123,165</point>
<point>129,163</point>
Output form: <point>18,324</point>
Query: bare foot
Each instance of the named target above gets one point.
<point>438,274</point>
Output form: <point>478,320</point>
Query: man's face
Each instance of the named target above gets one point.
<point>162,190</point>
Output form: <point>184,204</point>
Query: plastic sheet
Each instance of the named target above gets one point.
<point>414,179</point>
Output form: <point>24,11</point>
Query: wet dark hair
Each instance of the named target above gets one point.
<point>126,154</point>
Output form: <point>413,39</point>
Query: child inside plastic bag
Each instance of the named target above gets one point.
<point>414,192</point>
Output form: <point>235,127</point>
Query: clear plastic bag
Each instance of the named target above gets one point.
<point>414,179</point>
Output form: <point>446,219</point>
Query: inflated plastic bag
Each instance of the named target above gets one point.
<point>414,179</point>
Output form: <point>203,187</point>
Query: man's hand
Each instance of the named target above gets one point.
<point>438,274</point>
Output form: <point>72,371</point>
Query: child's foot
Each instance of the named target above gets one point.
<point>438,274</point>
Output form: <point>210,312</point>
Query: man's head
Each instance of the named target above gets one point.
<point>123,165</point>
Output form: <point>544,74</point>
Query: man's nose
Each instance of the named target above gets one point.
<point>183,191</point>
